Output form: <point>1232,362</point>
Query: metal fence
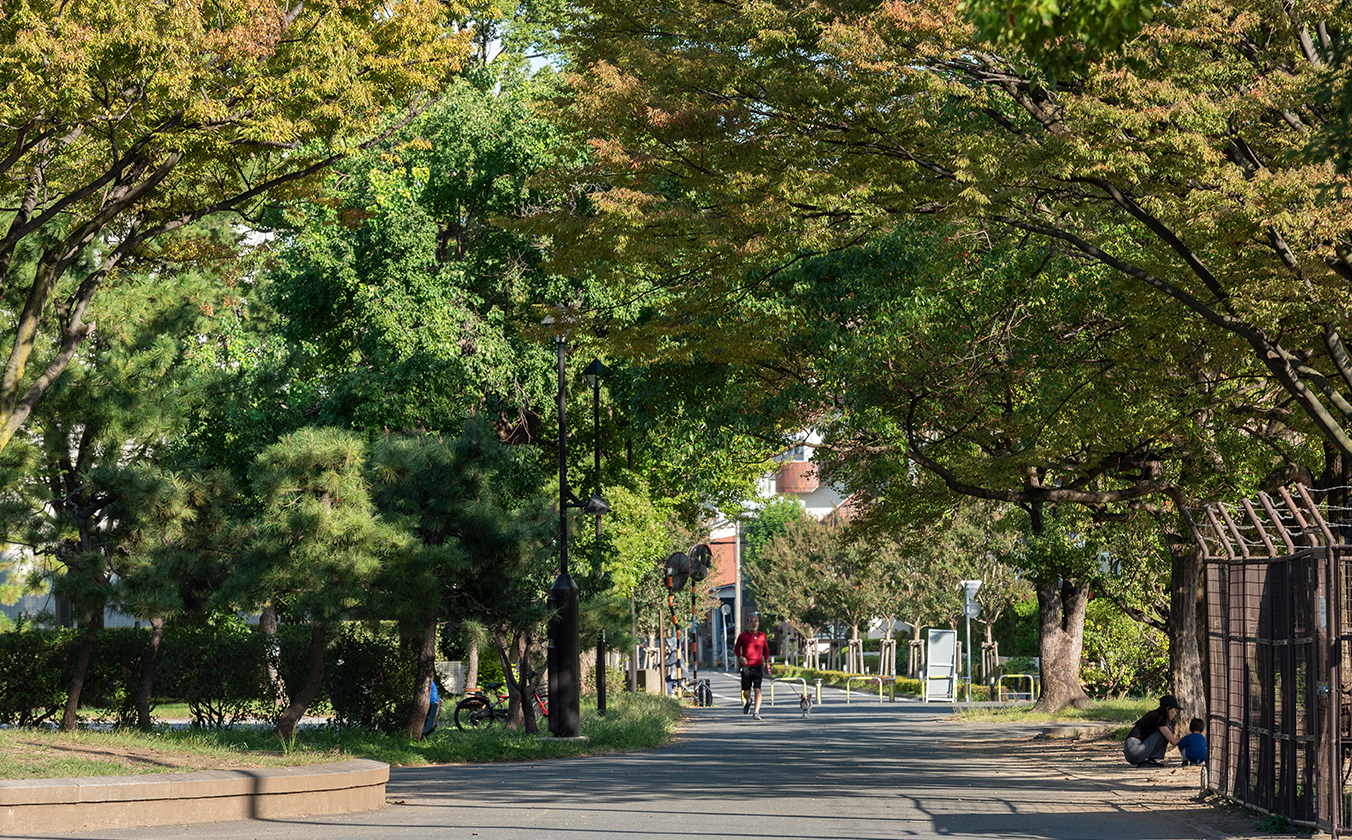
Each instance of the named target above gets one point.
<point>1277,630</point>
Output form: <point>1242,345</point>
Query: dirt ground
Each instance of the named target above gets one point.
<point>1178,788</point>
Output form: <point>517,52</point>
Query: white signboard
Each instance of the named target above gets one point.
<point>941,667</point>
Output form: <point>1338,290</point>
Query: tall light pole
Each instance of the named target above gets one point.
<point>565,672</point>
<point>737,579</point>
<point>971,609</point>
<point>594,373</point>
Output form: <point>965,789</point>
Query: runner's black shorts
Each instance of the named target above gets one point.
<point>751,677</point>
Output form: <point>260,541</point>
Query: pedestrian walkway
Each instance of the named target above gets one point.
<point>865,770</point>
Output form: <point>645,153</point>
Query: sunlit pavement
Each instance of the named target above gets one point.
<point>868,769</point>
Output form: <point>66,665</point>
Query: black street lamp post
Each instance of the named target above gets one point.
<point>594,373</point>
<point>565,697</point>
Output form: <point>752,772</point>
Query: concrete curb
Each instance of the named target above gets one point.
<point>63,805</point>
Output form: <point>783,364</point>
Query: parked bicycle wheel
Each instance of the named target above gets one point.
<point>704,695</point>
<point>473,713</point>
<point>540,708</point>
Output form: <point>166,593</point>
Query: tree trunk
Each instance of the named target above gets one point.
<point>314,680</point>
<point>519,714</point>
<point>916,663</point>
<point>990,672</point>
<point>150,660</point>
<point>587,664</point>
<point>1185,577</point>
<point>633,653</point>
<point>1061,606</point>
<point>70,718</point>
<point>272,653</point>
<point>422,685</point>
<point>472,670</point>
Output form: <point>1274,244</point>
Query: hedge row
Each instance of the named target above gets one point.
<point>217,669</point>
<point>840,679</point>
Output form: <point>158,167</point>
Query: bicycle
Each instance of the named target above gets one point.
<point>479,711</point>
<point>701,690</point>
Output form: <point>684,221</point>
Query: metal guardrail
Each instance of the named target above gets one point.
<point>1018,695</point>
<point>799,680</point>
<point>851,680</point>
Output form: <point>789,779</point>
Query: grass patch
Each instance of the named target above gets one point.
<point>176,710</point>
<point>632,722</point>
<point>43,754</point>
<point>1123,712</point>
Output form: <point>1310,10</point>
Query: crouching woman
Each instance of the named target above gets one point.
<point>1152,735</point>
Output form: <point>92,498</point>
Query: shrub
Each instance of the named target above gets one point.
<point>113,680</point>
<point>216,667</point>
<point>32,663</point>
<point>1122,655</point>
<point>294,657</point>
<point>370,683</point>
<point>490,665</point>
<point>1017,629</point>
<point>839,679</point>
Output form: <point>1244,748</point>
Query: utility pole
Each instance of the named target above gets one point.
<point>971,609</point>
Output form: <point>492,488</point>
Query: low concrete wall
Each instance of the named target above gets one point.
<point>63,805</point>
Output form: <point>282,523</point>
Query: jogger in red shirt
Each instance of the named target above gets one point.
<point>752,650</point>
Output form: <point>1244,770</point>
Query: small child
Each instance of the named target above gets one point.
<point>433,707</point>
<point>1193,745</point>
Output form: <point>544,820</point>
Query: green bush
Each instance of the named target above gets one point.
<point>1122,656</point>
<point>37,665</point>
<point>980,693</point>
<point>490,665</point>
<point>32,663</point>
<point>216,667</point>
<point>839,679</point>
<point>1017,629</point>
<point>1019,665</point>
<point>370,682</point>
<point>113,680</point>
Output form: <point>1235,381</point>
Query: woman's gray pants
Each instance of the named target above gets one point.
<point>1137,750</point>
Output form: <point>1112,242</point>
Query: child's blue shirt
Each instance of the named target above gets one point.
<point>1193,747</point>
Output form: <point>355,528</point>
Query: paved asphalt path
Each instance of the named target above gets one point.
<point>864,771</point>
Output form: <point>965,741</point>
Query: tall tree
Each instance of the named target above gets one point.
<point>123,123</point>
<point>1175,165</point>
<point>403,301</point>
<point>731,140</point>
<point>1011,375</point>
<point>187,549</point>
<point>788,572</point>
<point>317,543</point>
<point>473,505</point>
<point>86,490</point>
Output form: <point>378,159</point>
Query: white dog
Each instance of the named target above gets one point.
<point>805,703</point>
